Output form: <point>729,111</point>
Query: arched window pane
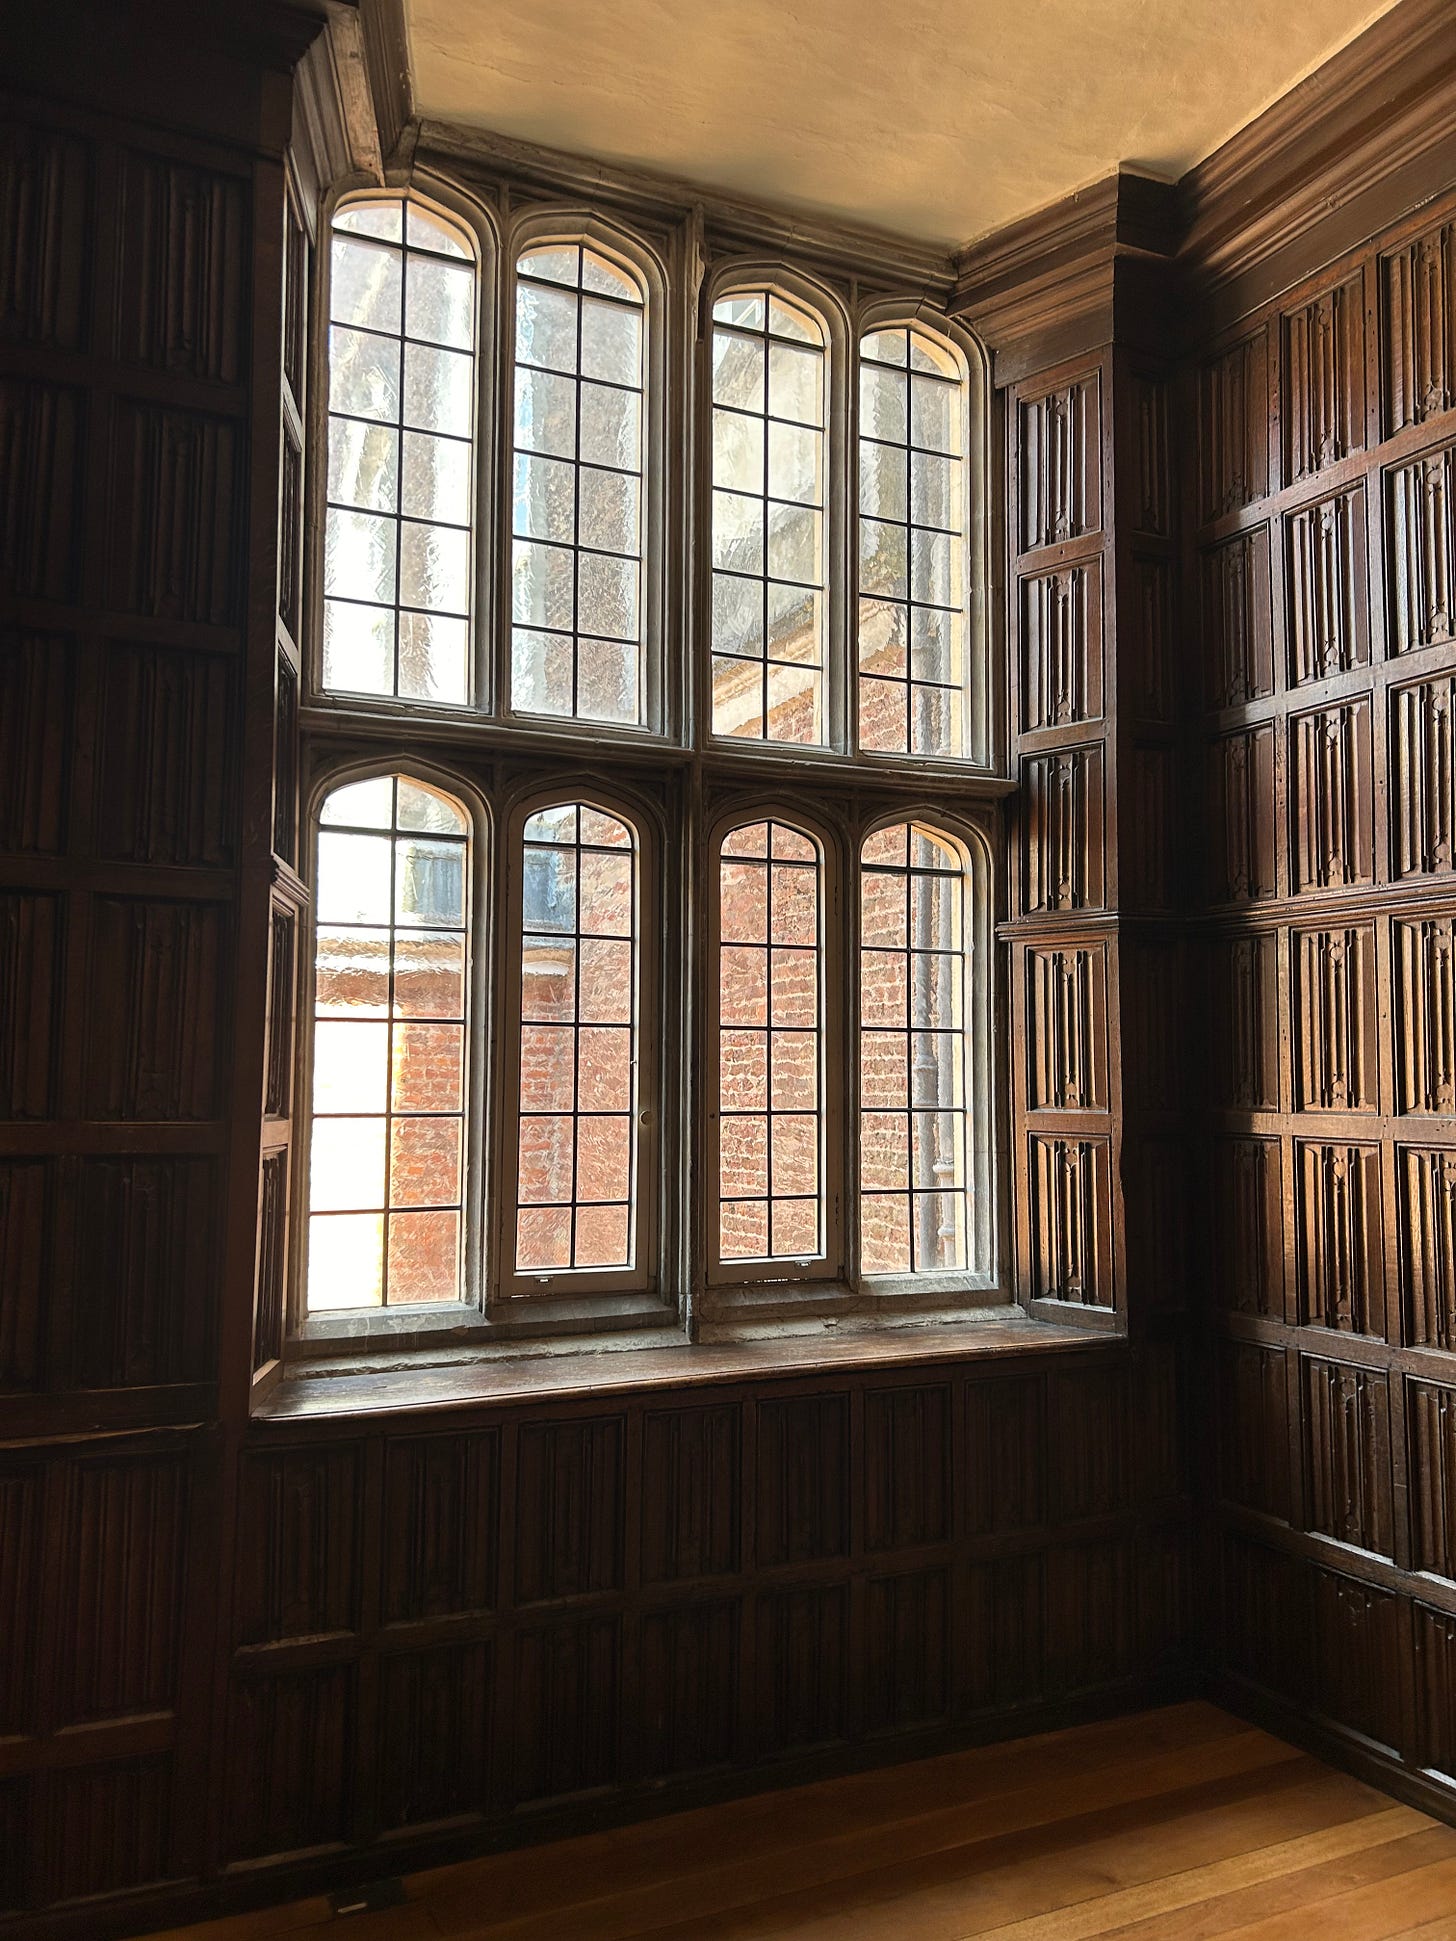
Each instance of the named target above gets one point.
<point>398,555</point>
<point>577,1165</point>
<point>576,564</point>
<point>914,1180</point>
<point>770,561</point>
<point>912,544</point>
<point>387,1149</point>
<point>770,1045</point>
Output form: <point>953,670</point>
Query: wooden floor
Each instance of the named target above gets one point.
<point>1183,1822</point>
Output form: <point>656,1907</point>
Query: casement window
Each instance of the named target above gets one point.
<point>652,833</point>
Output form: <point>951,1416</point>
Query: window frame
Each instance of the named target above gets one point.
<point>680,785</point>
<point>411,1317</point>
<point>790,1270</point>
<point>566,223</point>
<point>520,1293</point>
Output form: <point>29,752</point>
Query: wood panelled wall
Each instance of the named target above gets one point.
<point>1322,494</point>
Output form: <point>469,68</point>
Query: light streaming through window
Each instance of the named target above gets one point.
<point>913,1053</point>
<point>390,1006</point>
<point>770,565</point>
<point>912,604</point>
<point>576,564</point>
<point>397,549</point>
<point>577,1161</point>
<point>770,1129</point>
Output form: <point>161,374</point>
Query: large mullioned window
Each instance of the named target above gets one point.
<point>614,1009</point>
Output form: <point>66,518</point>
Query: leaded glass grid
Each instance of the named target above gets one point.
<point>387,1147</point>
<point>912,544</point>
<point>769,595</point>
<point>577,456</point>
<point>576,1188</point>
<point>914,1198</point>
<point>398,565</point>
<point>770,1054</point>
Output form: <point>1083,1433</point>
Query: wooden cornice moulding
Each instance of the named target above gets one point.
<point>1049,285</point>
<point>1358,131</point>
<point>896,262</point>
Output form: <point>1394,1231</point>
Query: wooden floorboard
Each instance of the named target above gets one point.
<point>1185,1823</point>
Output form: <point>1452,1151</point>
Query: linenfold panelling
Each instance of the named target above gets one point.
<point>1320,492</point>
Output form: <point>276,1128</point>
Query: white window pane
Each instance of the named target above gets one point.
<point>545,413</point>
<point>542,585</point>
<point>435,478</point>
<point>363,374</point>
<point>363,465</point>
<point>611,342</point>
<point>546,327</point>
<point>358,647</point>
<point>360,805</point>
<point>345,1261</point>
<point>611,427</point>
<point>441,300</point>
<point>359,555</point>
<point>434,658</point>
<point>437,389</point>
<point>434,567</point>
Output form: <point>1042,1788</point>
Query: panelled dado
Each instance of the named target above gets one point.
<point>1324,447</point>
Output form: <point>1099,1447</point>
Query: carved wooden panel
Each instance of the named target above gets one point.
<point>25,1215</point>
<point>270,1298</point>
<point>1425,1014</point>
<point>37,681</point>
<point>803,1645</point>
<point>1434,1715</point>
<point>1006,1454</point>
<point>1347,1453</point>
<point>1149,635</point>
<point>1265,1617</point>
<point>434,1734</point>
<point>1423,778</point>
<point>1152,494</point>
<point>1426,1188</point>
<point>1238,638</point>
<point>689,1687</point>
<point>1418,287</point>
<point>1324,380</point>
<point>285,762</point>
<point>1061,647</point>
<point>177,532</point>
<point>1336,1046</point>
<point>1088,1630</point>
<point>1087,1456</point>
<point>31,961</point>
<point>121,1587</point>
<point>1150,840</point>
<point>1329,602</point>
<point>291,1762</point>
<point>1431,1414</point>
<point>569,1509</point>
<point>1331,810</point>
<point>1248,1226</point>
<point>569,1488</point>
<point>42,488</point>
<point>1059,438</point>
<point>1253,1428</point>
<point>299,1544</point>
<point>1153,979</point>
<point>146,1267</point>
<point>158,971</point>
<point>1233,428</point>
<point>45,197</point>
<point>112,1826</point>
<point>1241,828</point>
<point>1245,1022</point>
<point>442,1513</point>
<point>1066,1036</point>
<point>1340,1253</point>
<point>1355,1644</point>
<point>803,1471</point>
<point>1421,551</point>
<point>282,986</point>
<point>1071,1220</point>
<point>567,1696</point>
<point>907,1639</point>
<point>167,788</point>
<point>1062,842</point>
<point>690,1508</point>
<point>907,1455</point>
<point>183,268</point>
<point>22,1531</point>
<point>1006,1604</point>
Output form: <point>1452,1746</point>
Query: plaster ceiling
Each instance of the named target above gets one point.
<point>939,121</point>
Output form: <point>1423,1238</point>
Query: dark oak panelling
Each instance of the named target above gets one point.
<point>1423,778</point>
<point>1426,1187</point>
<point>1421,542</point>
<point>1323,401</point>
<point>1233,428</point>
<point>1329,603</point>
<point>37,676</point>
<point>1418,290</point>
<point>1061,647</point>
<point>1238,633</point>
<point>1059,436</point>
<point>146,1243</point>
